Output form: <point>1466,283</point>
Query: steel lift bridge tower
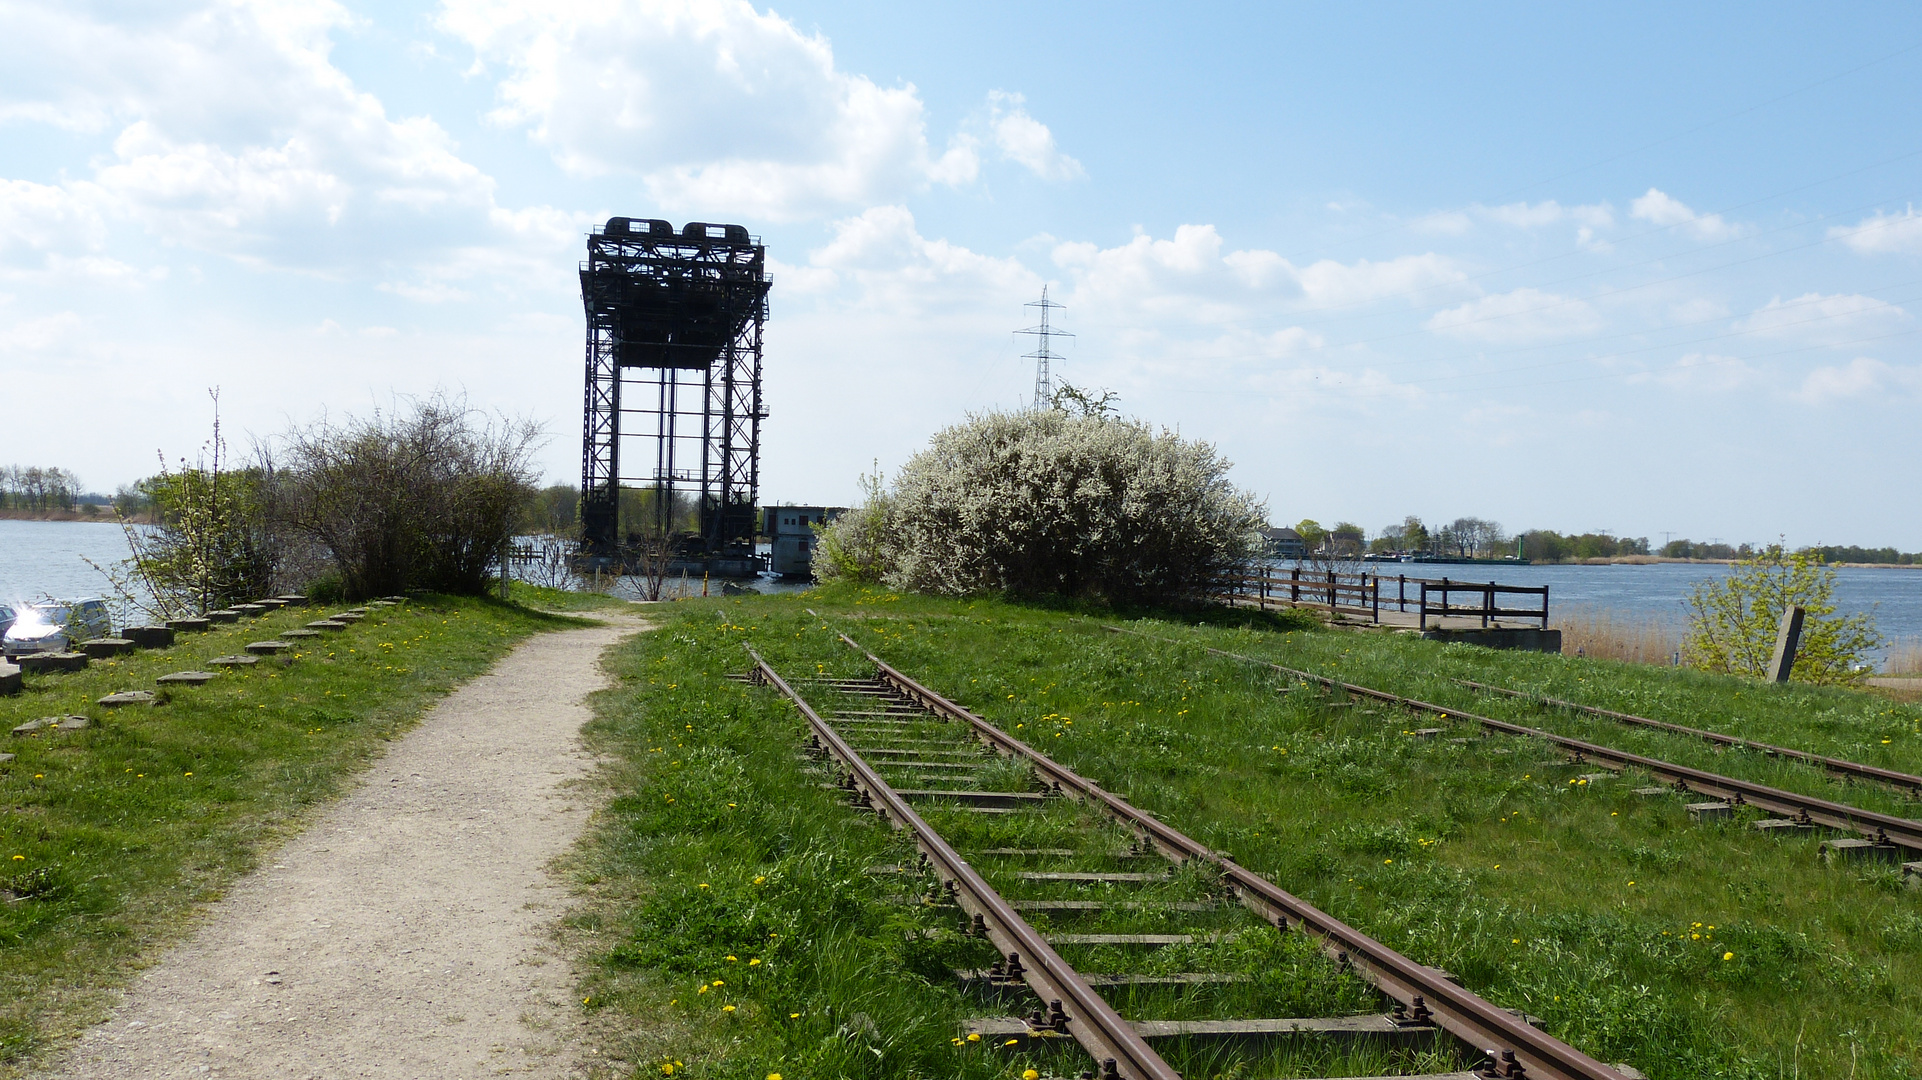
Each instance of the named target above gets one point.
<point>673,388</point>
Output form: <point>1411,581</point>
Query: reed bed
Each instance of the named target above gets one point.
<point>1636,638</point>
<point>1905,657</point>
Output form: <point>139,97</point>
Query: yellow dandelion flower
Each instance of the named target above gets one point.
<point>1030,1074</point>
<point>974,1036</point>
<point>1728,956</point>
<point>754,962</point>
<point>773,1076</point>
<point>794,1016</point>
<point>727,1008</point>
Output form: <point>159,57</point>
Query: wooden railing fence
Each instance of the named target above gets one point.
<point>1362,594</point>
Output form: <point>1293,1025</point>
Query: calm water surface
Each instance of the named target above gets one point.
<point>41,558</point>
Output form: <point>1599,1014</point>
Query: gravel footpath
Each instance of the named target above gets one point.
<point>405,932</point>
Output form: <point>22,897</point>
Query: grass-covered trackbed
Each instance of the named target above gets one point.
<point>1636,934</point>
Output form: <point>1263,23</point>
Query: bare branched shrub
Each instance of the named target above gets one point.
<point>1043,502</point>
<point>421,498</point>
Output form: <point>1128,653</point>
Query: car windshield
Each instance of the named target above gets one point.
<point>45,615</point>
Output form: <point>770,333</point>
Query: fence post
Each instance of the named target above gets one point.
<point>1488,605</point>
<point>1264,586</point>
<point>1294,585</point>
<point>1422,621</point>
<point>1377,594</point>
<point>1401,592</point>
<point>1331,592</point>
<point>1544,607</point>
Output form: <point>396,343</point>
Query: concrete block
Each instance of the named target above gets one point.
<point>149,637</point>
<point>32,726</point>
<point>1426,733</point>
<point>77,723</point>
<point>266,648</point>
<point>4,758</point>
<point>233,661</point>
<point>1912,874</point>
<point>1780,826</point>
<point>11,681</point>
<point>297,635</point>
<point>326,624</point>
<point>52,661</point>
<point>1856,849</point>
<point>187,626</point>
<point>271,605</point>
<point>101,648</point>
<point>1526,639</point>
<point>348,616</point>
<point>186,678</point>
<point>250,610</point>
<point>223,616</point>
<point>1646,791</point>
<point>1709,811</point>
<point>127,697</point>
<point>293,599</point>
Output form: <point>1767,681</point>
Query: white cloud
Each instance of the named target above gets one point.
<point>39,218</point>
<point>1660,208</point>
<point>1330,283</point>
<point>1523,316</point>
<point>1883,234</point>
<point>1027,141</point>
<point>1860,377</point>
<point>713,105</point>
<point>233,133</point>
<point>1813,316</point>
<point>1702,373</point>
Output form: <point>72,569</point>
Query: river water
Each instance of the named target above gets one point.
<point>42,558</point>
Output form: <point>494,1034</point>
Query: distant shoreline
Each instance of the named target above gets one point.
<point>1650,560</point>
<point>104,516</point>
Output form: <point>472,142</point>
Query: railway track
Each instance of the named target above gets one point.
<point>1850,770</point>
<point>1872,832</point>
<point>1157,956</point>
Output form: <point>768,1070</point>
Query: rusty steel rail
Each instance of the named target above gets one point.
<point>1853,770</point>
<point>1882,828</point>
<point>1089,1019</point>
<point>1513,1047</point>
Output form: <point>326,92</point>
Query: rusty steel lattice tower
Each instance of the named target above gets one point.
<point>674,341</point>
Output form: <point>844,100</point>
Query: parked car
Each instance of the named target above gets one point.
<point>56,626</point>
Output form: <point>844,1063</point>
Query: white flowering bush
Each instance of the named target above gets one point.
<point>1043,502</point>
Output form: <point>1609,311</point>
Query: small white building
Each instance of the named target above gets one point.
<point>790,534</point>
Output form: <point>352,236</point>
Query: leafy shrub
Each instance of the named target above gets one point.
<point>1041,502</point>
<point>1733,623</point>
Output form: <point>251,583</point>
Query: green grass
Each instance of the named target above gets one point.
<point>112,836</point>
<point>1686,950</point>
<point>542,598</point>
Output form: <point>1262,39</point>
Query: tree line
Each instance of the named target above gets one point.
<point>38,488</point>
<point>1472,537</point>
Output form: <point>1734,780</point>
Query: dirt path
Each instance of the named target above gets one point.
<point>404,933</point>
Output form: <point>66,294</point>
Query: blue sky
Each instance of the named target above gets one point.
<point>1630,268</point>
